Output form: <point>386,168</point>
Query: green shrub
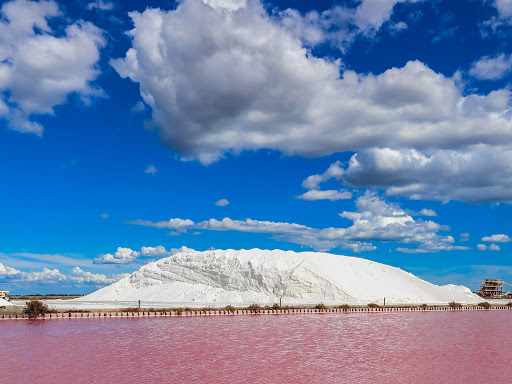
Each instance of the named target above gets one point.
<point>424,306</point>
<point>230,308</point>
<point>255,308</point>
<point>276,306</point>
<point>345,307</point>
<point>509,304</point>
<point>321,306</point>
<point>35,308</point>
<point>484,304</point>
<point>373,305</point>
<point>453,304</point>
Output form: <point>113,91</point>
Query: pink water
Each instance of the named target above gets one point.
<point>424,347</point>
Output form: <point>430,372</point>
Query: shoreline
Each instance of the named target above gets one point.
<point>180,312</point>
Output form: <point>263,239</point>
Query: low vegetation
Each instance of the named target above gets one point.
<point>424,306</point>
<point>230,309</point>
<point>321,306</point>
<point>254,308</point>
<point>373,305</point>
<point>453,304</point>
<point>344,307</point>
<point>276,306</point>
<point>484,304</point>
<point>35,308</point>
<point>179,311</point>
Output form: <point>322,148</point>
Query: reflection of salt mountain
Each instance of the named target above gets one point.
<point>261,276</point>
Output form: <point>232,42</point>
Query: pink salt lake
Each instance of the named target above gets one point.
<point>406,347</point>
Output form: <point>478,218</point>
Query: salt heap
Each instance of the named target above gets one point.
<point>262,276</point>
<point>5,303</point>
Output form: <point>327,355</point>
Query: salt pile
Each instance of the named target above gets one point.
<point>5,303</point>
<point>263,276</point>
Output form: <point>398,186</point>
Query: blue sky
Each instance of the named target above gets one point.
<point>129,130</point>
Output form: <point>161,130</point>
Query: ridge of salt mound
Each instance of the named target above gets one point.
<point>264,276</point>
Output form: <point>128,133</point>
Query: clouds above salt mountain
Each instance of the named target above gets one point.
<point>53,276</point>
<point>374,220</point>
<point>38,71</point>
<point>221,80</point>
<point>127,255</point>
<point>478,174</point>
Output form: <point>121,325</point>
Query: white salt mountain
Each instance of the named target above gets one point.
<point>222,277</point>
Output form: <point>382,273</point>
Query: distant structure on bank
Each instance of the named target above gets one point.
<point>4,295</point>
<point>493,288</point>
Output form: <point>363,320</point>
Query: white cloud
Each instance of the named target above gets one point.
<point>101,5</point>
<point>491,68</point>
<point>104,215</point>
<point>314,194</point>
<point>127,255</point>
<point>497,238</point>
<point>39,70</point>
<point>478,174</point>
<point>151,169</point>
<point>374,220</point>
<point>464,236</point>
<point>504,8</point>
<point>340,25</point>
<point>313,184</point>
<point>139,107</point>
<point>50,276</point>
<point>334,171</point>
<point>222,203</point>
<point>81,277</point>
<point>47,275</point>
<point>491,247</point>
<point>428,212</point>
<point>224,81</point>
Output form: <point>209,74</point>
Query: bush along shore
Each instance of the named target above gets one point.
<point>37,310</point>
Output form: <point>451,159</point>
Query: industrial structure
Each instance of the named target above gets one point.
<point>493,288</point>
<point>4,295</point>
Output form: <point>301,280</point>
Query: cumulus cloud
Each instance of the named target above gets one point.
<point>504,8</point>
<point>222,80</point>
<point>101,5</point>
<point>222,203</point>
<point>491,68</point>
<point>39,70</point>
<point>464,236</point>
<point>127,255</point>
<point>491,247</point>
<point>49,276</point>
<point>139,107</point>
<point>340,25</point>
<point>151,169</point>
<point>476,175</point>
<point>332,195</point>
<point>427,212</point>
<point>374,220</point>
<point>313,184</point>
<point>46,275</point>
<point>497,239</point>
<point>81,277</point>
